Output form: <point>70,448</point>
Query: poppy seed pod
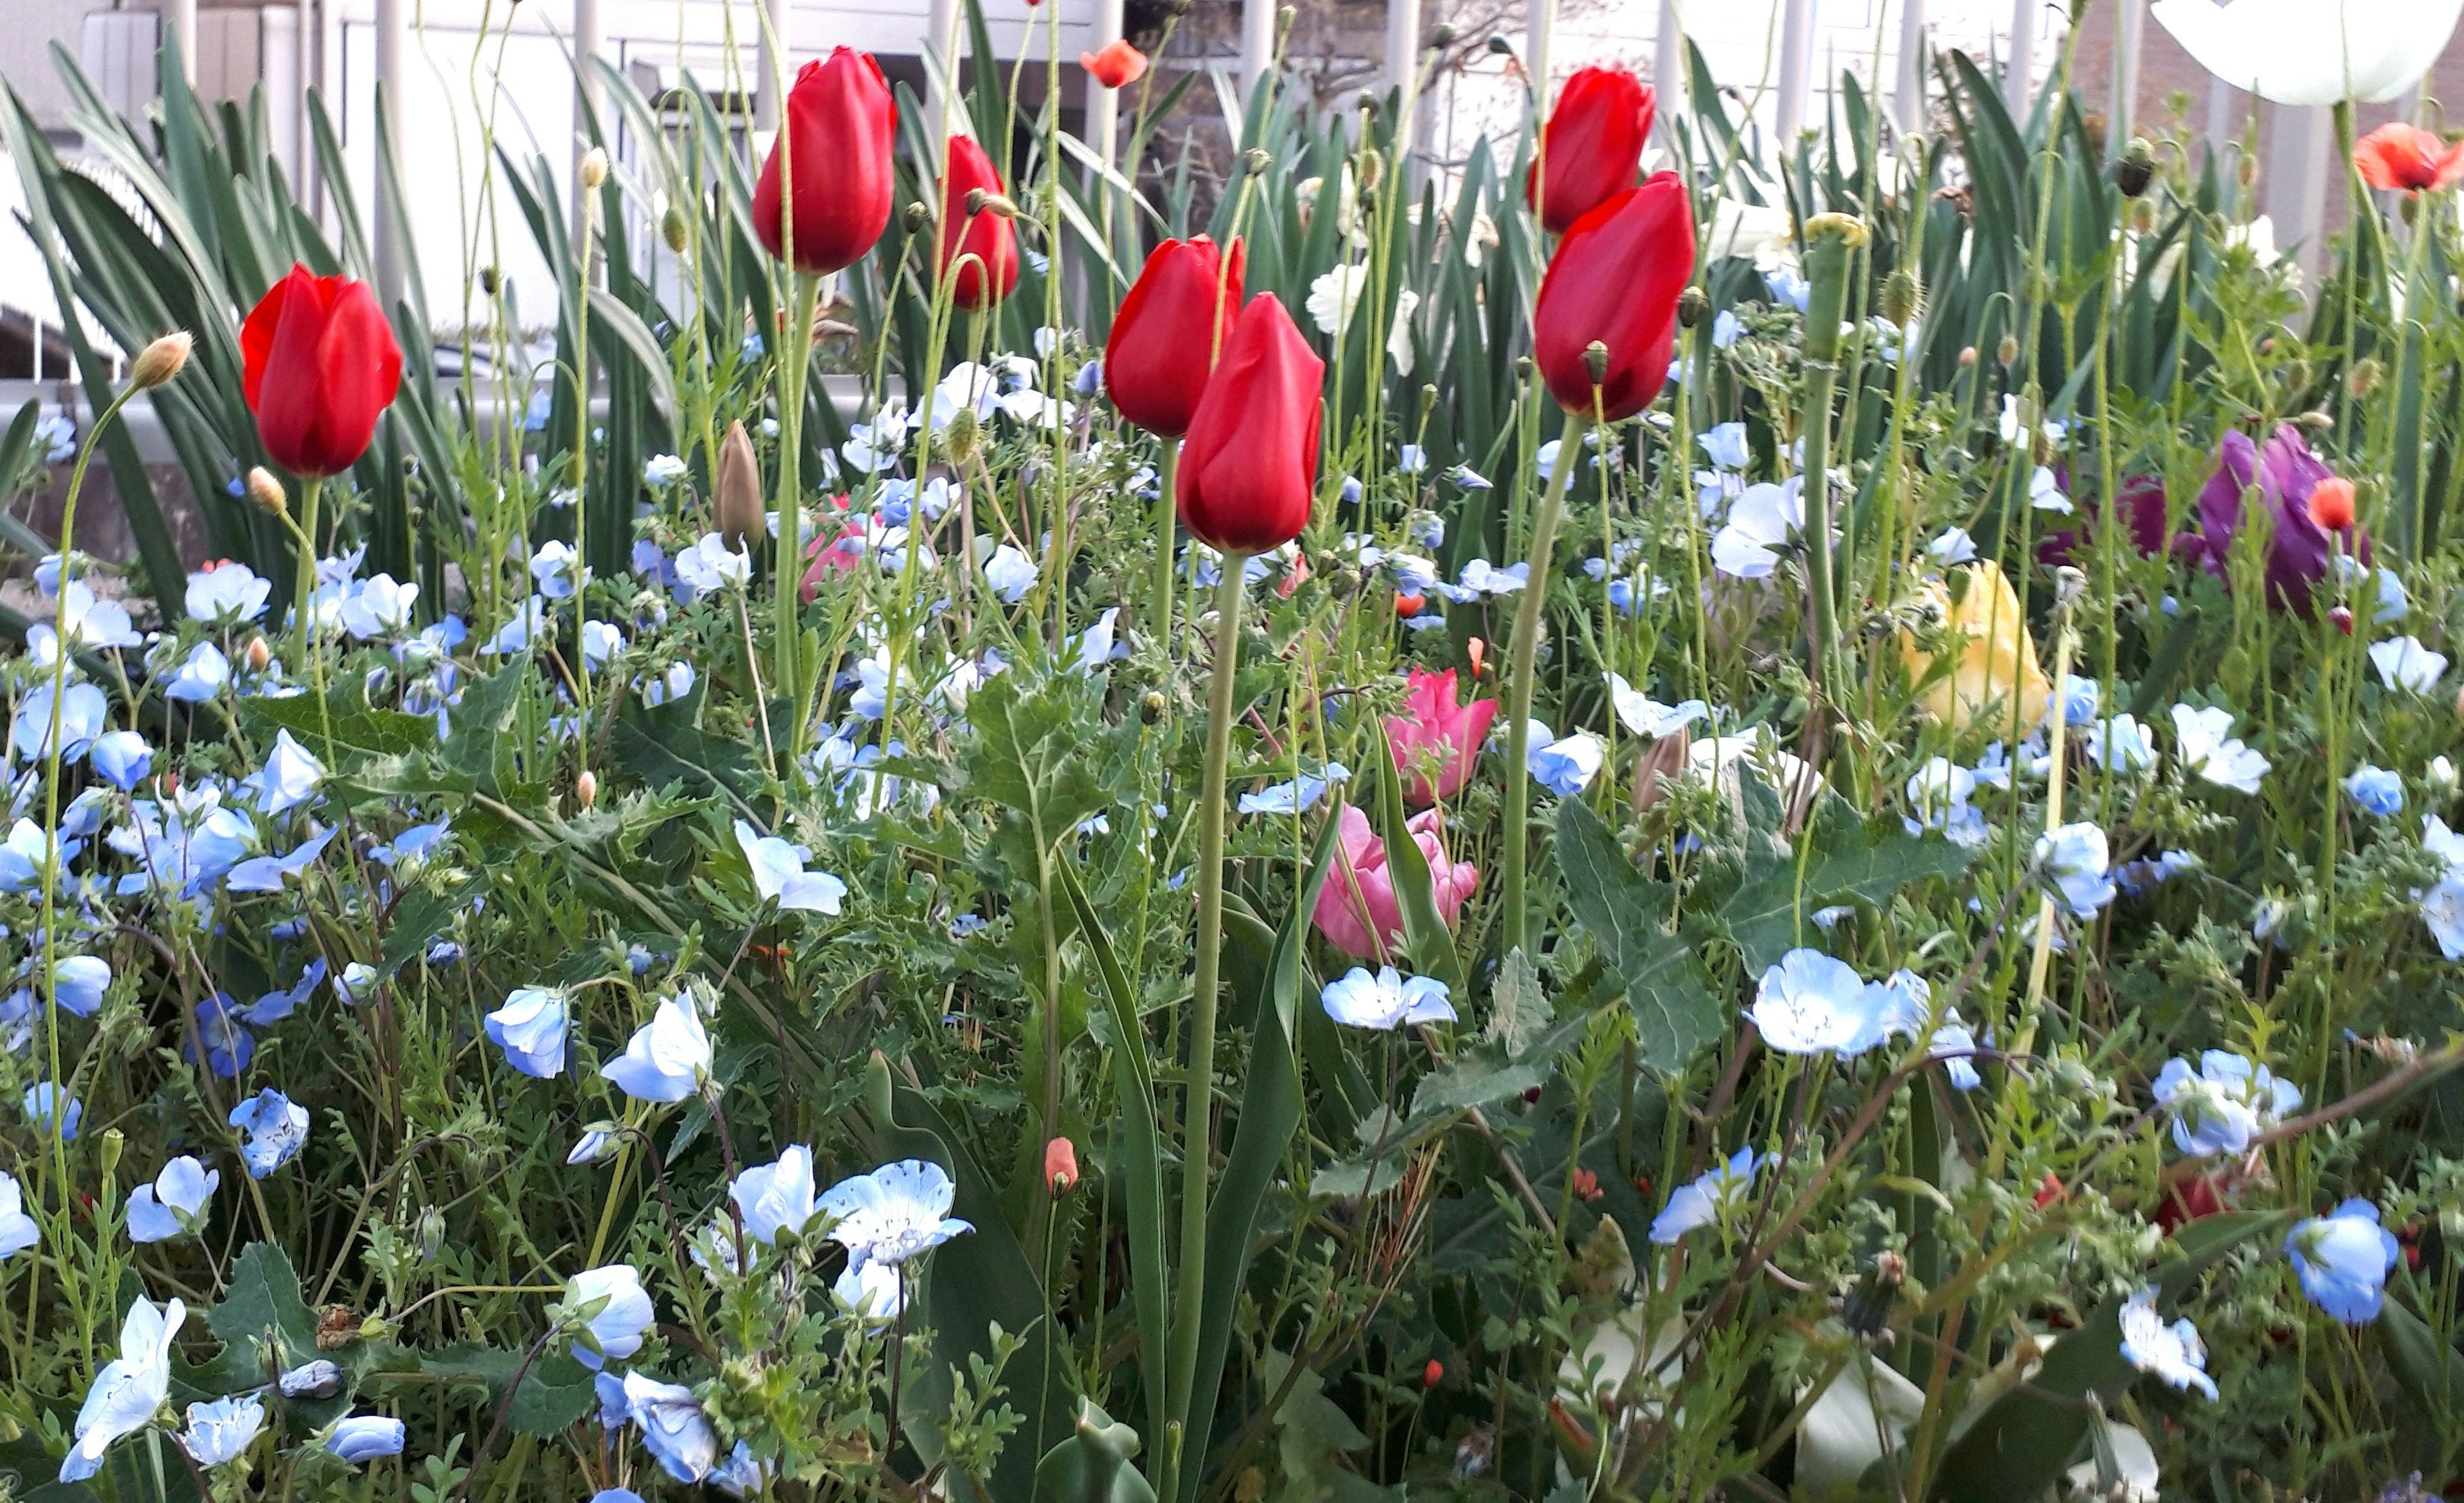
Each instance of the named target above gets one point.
<point>829,178</point>
<point>1831,245</point>
<point>1903,297</point>
<point>675,229</point>
<point>737,508</point>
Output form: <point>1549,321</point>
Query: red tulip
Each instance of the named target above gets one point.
<point>1615,279</point>
<point>984,239</point>
<point>1250,465</point>
<point>1593,146</point>
<point>1180,312</point>
<point>1117,66</point>
<point>1435,739</point>
<point>2401,156</point>
<point>318,365</point>
<point>839,130</point>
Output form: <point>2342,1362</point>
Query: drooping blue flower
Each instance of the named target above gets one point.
<point>2083,699</point>
<point>874,1293</point>
<point>894,1213</point>
<point>358,1438</point>
<point>225,1041</point>
<point>277,1128</point>
<point>42,1099</point>
<point>2377,791</point>
<point>2172,1352</point>
<point>1703,1202</point>
<point>2120,744</point>
<point>778,874</point>
<point>221,1431</point>
<point>668,1058</point>
<point>624,1312</point>
<point>78,982</point>
<point>2076,861</point>
<point>530,1028</point>
<point>776,1199</point>
<point>288,779</point>
<point>317,1380</point>
<point>201,678</point>
<point>122,759</point>
<point>1297,796</point>
<point>176,1204</point>
<point>83,712</point>
<point>127,1393</point>
<point>1563,765</point>
<point>271,874</point>
<point>2343,1259</point>
<point>673,1427</point>
<point>1386,999</point>
<point>2404,663</point>
<point>17,1229</point>
<point>743,1474</point>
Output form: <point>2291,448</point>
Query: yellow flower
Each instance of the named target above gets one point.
<point>1985,628</point>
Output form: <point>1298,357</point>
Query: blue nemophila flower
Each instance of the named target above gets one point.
<point>200,677</point>
<point>1726,447</point>
<point>43,1100</point>
<point>2344,1258</point>
<point>222,1432</point>
<point>2442,903</point>
<point>27,854</point>
<point>122,759</point>
<point>775,1200</point>
<point>894,1213</point>
<point>227,1043</point>
<point>1564,766</point>
<point>415,844</point>
<point>780,876</point>
<point>269,873</point>
<point>2203,742</point>
<point>1953,548</point>
<point>1385,1000</point>
<point>873,1292</point>
<point>1765,520</point>
<point>78,982</point>
<point>17,1229</point>
<point>277,1128</point>
<point>1904,1009</point>
<point>1480,578</point>
<point>1010,573</point>
<point>2076,860</point>
<point>625,1494</point>
<point>624,1312</point>
<point>673,1427</point>
<point>2172,1352</point>
<point>1810,1002</point>
<point>1297,796</point>
<point>1939,791</point>
<point>594,1146</point>
<point>2221,1105</point>
<point>2377,791</point>
<point>2405,664</point>
<point>661,471</point>
<point>362,1438</point>
<point>357,982</point>
<point>1412,460</point>
<point>1468,479</point>
<point>1709,1198</point>
<point>530,1028</point>
<point>1638,712</point>
<point>312,1380</point>
<point>2119,744</point>
<point>127,1393</point>
<point>743,1474</point>
<point>668,1058</point>
<point>288,779</point>
<point>377,607</point>
<point>2083,699</point>
<point>228,594</point>
<point>176,1204</point>
<point>83,712</point>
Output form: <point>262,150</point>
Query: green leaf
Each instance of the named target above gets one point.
<point>554,1394</point>
<point>1092,1465</point>
<point>1842,859</point>
<point>1033,752</point>
<point>344,721</point>
<point>263,1300</point>
<point>1517,1012</point>
<point>2427,1369</point>
<point>1674,1011</point>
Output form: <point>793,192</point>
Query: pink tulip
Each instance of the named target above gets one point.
<point>1358,910</point>
<point>1434,733</point>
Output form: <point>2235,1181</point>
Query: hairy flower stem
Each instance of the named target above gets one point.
<point>1197,1113</point>
<point>1167,477</point>
<point>1519,671</point>
<point>788,554</point>
<point>1821,608</point>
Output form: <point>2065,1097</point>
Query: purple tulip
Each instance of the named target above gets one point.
<point>2284,473</point>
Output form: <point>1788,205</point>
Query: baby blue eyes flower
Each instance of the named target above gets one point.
<point>2222,1104</point>
<point>202,676</point>
<point>2377,791</point>
<point>673,1426</point>
<point>776,1199</point>
<point>1724,446</point>
<point>123,759</point>
<point>1297,796</point>
<point>220,1432</point>
<point>175,1204</point>
<point>127,1394</point>
<point>1010,573</point>
<point>741,1475</point>
<point>625,1312</point>
<point>894,1213</point>
<point>1387,1000</point>
<point>1953,547</point>
<point>78,982</point>
<point>2343,1259</point>
<point>530,1028</point>
<point>1564,766</point>
<point>357,982</point>
<point>2203,742</point>
<point>668,1058</point>
<point>228,594</point>
<point>661,471</point>
<point>362,1438</point>
<point>276,1127</point>
<point>2405,664</point>
<point>17,1229</point>
<point>42,1099</point>
<point>317,1380</point>
<point>1702,1203</point>
<point>873,1292</point>
<point>2076,860</point>
<point>2172,1352</point>
<point>2081,699</point>
<point>595,1145</point>
<point>1810,1002</point>
<point>82,711</point>
<point>2121,745</point>
<point>288,779</point>
<point>778,874</point>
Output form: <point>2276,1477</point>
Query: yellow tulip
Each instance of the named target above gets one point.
<point>1986,631</point>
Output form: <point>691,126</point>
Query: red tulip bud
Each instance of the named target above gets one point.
<point>837,136</point>
<point>1614,281</point>
<point>1178,313</point>
<point>1249,466</point>
<point>319,366</point>
<point>1593,146</point>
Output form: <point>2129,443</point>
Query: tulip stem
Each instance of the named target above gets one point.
<point>1519,670</point>
<point>1198,1113</point>
<point>1167,479</point>
<point>788,554</point>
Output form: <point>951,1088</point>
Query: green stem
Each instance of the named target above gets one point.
<point>1197,1125</point>
<point>1167,477</point>
<point>1821,615</point>
<point>788,554</point>
<point>1519,671</point>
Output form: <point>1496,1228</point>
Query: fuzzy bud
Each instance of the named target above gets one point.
<point>963,438</point>
<point>1372,167</point>
<point>1061,1166</point>
<point>1151,706</point>
<point>1867,1311</point>
<point>259,655</point>
<point>1691,305</point>
<point>674,230</point>
<point>489,279</point>
<point>1967,357</point>
<point>594,169</point>
<point>1444,37</point>
<point>1522,366</point>
<point>1903,297</point>
<point>2008,351</point>
<point>585,788</point>
<point>1596,359</point>
<point>2367,372</point>
<point>1256,161</point>
<point>914,218</point>
<point>1498,45</point>
<point>161,361</point>
<point>2136,167</point>
<point>737,507</point>
<point>266,491</point>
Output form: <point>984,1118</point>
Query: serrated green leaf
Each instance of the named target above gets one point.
<point>263,1295</point>
<point>1674,1011</point>
<point>344,721</point>
<point>556,1390</point>
<point>1842,859</point>
<point>1518,1013</point>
